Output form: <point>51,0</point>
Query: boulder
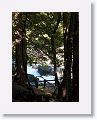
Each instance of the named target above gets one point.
<point>44,70</point>
<point>21,94</point>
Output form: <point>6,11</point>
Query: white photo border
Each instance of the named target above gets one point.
<point>84,104</point>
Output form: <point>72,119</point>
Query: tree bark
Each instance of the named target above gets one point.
<point>53,42</point>
<point>71,44</point>
<point>75,92</point>
<point>65,84</point>
<point>54,48</point>
<point>20,49</point>
<point>24,42</point>
<point>68,65</point>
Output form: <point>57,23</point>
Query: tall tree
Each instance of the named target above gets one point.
<point>75,34</point>
<point>67,56</point>
<point>54,47</point>
<point>69,61</point>
<point>71,43</point>
<point>24,42</point>
<point>20,48</point>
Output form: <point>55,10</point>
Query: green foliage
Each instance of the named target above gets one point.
<point>39,29</point>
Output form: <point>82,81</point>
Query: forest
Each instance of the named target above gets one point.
<point>45,57</point>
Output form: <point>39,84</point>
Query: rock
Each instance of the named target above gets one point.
<point>33,80</point>
<point>21,94</point>
<point>44,70</point>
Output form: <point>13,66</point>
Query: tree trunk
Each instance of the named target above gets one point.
<point>68,66</point>
<point>75,92</point>
<point>24,42</point>
<point>72,42</point>
<point>20,49</point>
<point>65,85</point>
<point>54,48</point>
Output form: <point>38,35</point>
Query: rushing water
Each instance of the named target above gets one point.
<point>33,70</point>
